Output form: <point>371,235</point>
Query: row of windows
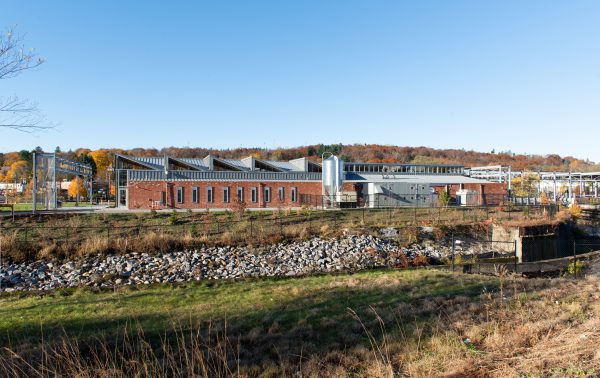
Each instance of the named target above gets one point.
<point>395,168</point>
<point>210,194</point>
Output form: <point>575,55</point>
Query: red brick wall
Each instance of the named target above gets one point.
<point>491,194</point>
<point>142,194</point>
<point>491,188</point>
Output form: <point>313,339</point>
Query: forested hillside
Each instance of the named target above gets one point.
<point>374,153</point>
<point>18,163</point>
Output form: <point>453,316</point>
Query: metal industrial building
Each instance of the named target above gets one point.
<point>211,182</point>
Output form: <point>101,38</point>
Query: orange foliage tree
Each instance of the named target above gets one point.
<point>18,170</point>
<point>102,158</point>
<point>73,188</point>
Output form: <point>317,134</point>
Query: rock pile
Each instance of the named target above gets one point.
<point>346,254</point>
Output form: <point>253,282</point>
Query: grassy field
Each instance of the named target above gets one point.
<point>29,206</point>
<point>377,323</point>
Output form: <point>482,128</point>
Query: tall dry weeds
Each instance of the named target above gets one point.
<point>183,353</point>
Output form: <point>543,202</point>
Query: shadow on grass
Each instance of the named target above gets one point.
<point>282,329</point>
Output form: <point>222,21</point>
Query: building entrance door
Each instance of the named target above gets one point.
<point>123,197</point>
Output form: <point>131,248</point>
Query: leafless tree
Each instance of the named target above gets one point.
<point>16,113</point>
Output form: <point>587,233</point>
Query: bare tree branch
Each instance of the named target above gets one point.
<point>16,113</point>
<point>14,57</point>
<point>22,115</point>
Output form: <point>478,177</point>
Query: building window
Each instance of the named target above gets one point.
<point>294,194</point>
<point>240,194</point>
<point>267,194</point>
<point>180,194</point>
<point>226,194</point>
<point>254,194</point>
<point>281,193</point>
<point>210,195</point>
<point>194,194</point>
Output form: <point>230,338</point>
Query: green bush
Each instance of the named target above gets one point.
<point>444,198</point>
<point>173,218</point>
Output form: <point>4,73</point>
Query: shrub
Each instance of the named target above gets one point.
<point>420,260</point>
<point>575,211</point>
<point>577,267</point>
<point>173,218</point>
<point>239,208</point>
<point>411,235</point>
<point>443,198</point>
<point>324,230</point>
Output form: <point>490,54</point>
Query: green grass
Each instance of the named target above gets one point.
<point>319,301</point>
<point>407,323</point>
<point>29,206</point>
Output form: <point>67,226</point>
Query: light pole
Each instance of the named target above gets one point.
<point>109,172</point>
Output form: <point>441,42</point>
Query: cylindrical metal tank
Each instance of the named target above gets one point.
<point>333,175</point>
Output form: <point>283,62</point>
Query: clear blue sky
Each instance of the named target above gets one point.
<point>504,75</point>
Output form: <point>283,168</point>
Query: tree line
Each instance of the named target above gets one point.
<point>18,164</point>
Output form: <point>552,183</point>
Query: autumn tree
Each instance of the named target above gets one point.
<point>74,185</point>
<point>17,172</point>
<point>526,185</point>
<point>102,159</point>
<point>17,113</point>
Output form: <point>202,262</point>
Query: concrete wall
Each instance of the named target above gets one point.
<point>535,243</point>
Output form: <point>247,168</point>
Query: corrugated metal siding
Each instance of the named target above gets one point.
<point>155,161</point>
<point>148,175</point>
<point>195,161</point>
<point>282,165</point>
<point>235,163</point>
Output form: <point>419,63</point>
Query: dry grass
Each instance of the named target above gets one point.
<point>63,236</point>
<point>516,327</point>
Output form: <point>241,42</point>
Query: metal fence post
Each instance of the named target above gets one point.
<point>0,261</point>
<point>516,258</point>
<point>453,243</point>
<point>575,259</point>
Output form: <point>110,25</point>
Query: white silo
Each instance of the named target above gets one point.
<point>333,177</point>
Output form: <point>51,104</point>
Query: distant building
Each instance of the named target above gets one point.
<point>12,187</point>
<point>212,182</point>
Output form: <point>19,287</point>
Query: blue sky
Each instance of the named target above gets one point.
<point>504,75</point>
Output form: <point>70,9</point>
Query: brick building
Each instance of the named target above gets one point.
<point>214,183</point>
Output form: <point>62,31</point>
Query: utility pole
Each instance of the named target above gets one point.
<point>55,198</point>
<point>166,166</point>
